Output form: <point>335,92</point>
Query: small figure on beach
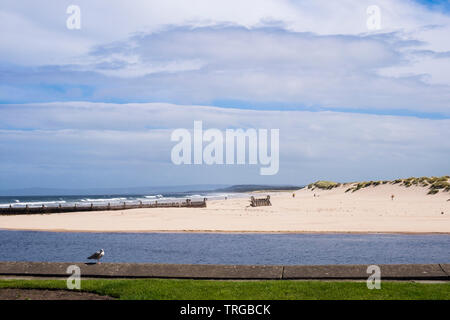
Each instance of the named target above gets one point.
<point>293,195</point>
<point>392,197</point>
<point>98,255</point>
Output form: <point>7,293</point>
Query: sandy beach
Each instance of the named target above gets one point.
<point>367,210</point>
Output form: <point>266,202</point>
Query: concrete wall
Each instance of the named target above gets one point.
<point>138,270</point>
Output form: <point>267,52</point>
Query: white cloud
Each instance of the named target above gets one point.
<point>265,54</point>
<point>114,20</point>
<point>113,142</point>
<point>271,64</point>
<point>265,65</point>
<point>314,54</point>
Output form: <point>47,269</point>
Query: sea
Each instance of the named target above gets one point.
<point>116,199</point>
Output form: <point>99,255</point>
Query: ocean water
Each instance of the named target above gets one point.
<point>98,200</point>
<point>211,248</point>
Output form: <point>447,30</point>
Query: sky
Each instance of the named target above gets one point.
<point>96,106</point>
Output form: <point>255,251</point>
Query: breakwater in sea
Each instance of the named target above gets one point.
<point>187,203</point>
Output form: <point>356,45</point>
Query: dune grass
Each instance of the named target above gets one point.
<point>324,185</point>
<point>434,184</point>
<point>165,289</point>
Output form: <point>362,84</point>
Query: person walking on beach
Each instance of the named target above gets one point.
<point>392,197</point>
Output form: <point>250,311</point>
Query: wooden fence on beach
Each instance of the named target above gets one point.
<point>77,208</point>
<point>260,202</point>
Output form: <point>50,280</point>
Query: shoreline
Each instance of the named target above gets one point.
<point>232,232</point>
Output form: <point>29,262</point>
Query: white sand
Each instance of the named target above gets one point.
<point>367,210</point>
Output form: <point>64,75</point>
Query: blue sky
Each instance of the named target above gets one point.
<point>315,62</point>
<point>441,5</point>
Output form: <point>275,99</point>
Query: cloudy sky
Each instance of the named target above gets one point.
<point>95,106</point>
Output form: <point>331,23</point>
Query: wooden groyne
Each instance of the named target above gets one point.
<point>77,208</point>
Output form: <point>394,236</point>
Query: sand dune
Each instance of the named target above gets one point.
<point>368,210</point>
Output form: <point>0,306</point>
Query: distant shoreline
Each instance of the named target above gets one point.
<point>139,191</point>
<point>232,232</point>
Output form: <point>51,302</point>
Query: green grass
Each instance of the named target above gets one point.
<point>434,184</point>
<point>164,289</point>
<point>325,185</point>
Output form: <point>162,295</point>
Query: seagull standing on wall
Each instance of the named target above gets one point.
<point>98,255</point>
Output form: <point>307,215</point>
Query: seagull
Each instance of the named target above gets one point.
<point>98,255</point>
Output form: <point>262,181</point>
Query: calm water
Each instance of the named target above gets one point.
<point>271,249</point>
